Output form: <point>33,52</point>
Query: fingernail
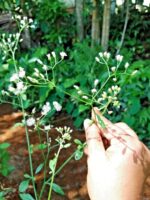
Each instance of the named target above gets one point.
<point>87,123</point>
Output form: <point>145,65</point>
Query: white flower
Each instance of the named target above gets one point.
<point>100,100</point>
<point>134,72</point>
<point>11,88</point>
<point>46,108</point>
<point>47,127</point>
<point>33,80</point>
<point>30,20</point>
<point>30,121</point>
<point>126,65</point>
<point>39,61</point>
<point>101,54</point>
<point>107,55</point>
<point>93,90</point>
<point>53,54</point>
<point>33,110</point>
<point>76,87</point>
<point>110,112</point>
<point>113,69</point>
<point>97,59</point>
<point>109,90</point>
<point>96,82</point>
<point>20,85</point>
<point>14,77</point>
<point>104,95</point>
<point>62,55</point>
<point>21,72</point>
<point>49,56</point>
<point>79,92</point>
<point>4,92</point>
<point>85,97</point>
<point>114,79</point>
<point>45,67</point>
<point>119,58</point>
<point>57,106</point>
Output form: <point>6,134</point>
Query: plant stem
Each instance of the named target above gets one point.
<point>53,173</point>
<point>29,150</point>
<point>62,166</point>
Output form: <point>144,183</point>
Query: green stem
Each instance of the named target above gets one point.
<point>29,150</point>
<point>53,173</point>
<point>62,166</point>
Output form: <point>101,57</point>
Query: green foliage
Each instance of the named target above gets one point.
<point>5,167</point>
<point>25,196</point>
<point>23,186</point>
<point>135,97</point>
<point>56,188</point>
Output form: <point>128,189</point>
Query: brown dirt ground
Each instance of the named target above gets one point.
<point>73,176</point>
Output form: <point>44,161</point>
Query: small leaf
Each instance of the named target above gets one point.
<point>56,188</point>
<point>26,196</point>
<point>42,146</point>
<point>27,176</point>
<point>77,141</point>
<point>100,121</point>
<point>78,154</point>
<point>39,168</point>
<point>83,108</point>
<point>18,125</point>
<point>4,145</point>
<point>52,164</point>
<point>23,186</point>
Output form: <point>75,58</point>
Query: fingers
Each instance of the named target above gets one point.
<point>93,138</point>
<point>109,132</point>
<point>113,132</point>
<point>125,128</point>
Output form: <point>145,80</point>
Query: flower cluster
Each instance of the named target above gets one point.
<point>17,85</point>
<point>23,21</point>
<point>111,96</point>
<point>8,42</point>
<point>65,136</point>
<point>46,108</point>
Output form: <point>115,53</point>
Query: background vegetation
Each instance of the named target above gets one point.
<point>82,29</point>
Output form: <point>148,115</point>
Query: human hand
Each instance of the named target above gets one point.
<point>118,170</point>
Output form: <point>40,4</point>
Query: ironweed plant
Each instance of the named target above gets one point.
<point>101,95</point>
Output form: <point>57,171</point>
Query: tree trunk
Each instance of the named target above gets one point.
<point>95,23</point>
<point>79,19</point>
<point>106,25</point>
<point>125,27</point>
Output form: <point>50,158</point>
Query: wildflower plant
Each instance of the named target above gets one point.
<point>101,94</point>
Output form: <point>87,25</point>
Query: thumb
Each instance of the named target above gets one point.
<point>93,138</point>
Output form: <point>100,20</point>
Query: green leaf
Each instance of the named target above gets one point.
<point>27,176</point>
<point>42,146</point>
<point>23,186</point>
<point>77,141</point>
<point>52,164</point>
<point>135,107</point>
<point>26,196</point>
<point>69,107</point>
<point>4,145</point>
<point>39,168</point>
<point>78,122</point>
<point>56,188</point>
<point>44,92</point>
<point>83,108</point>
<point>18,125</point>
<point>101,121</point>
<point>69,82</point>
<point>78,154</point>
